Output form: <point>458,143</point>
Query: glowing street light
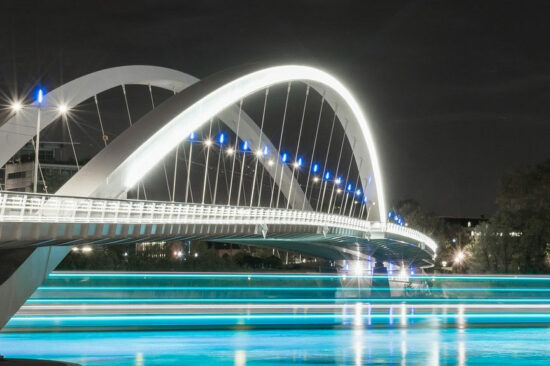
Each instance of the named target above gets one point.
<point>230,151</point>
<point>459,257</point>
<point>16,106</point>
<point>299,162</point>
<point>208,142</point>
<point>62,109</point>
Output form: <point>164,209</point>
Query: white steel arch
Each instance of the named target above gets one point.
<point>21,127</point>
<point>122,164</point>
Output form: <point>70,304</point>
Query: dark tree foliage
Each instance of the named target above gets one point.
<point>517,238</point>
<point>427,222</point>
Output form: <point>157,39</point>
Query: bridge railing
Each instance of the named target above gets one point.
<point>30,207</point>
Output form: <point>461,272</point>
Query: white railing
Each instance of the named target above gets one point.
<point>43,208</point>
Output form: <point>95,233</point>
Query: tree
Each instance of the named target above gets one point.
<point>517,238</point>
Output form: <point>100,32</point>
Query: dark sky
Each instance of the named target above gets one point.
<point>457,92</point>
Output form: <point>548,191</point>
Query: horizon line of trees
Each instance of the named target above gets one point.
<point>515,239</point>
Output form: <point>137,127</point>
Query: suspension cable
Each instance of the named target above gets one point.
<point>66,120</point>
<point>352,204</point>
<point>130,121</point>
<point>104,136</point>
<point>40,171</point>
<point>337,171</point>
<point>235,149</point>
<point>313,151</point>
<point>278,152</point>
<point>325,164</point>
<point>259,152</point>
<point>208,146</point>
<point>347,176</point>
<point>294,165</point>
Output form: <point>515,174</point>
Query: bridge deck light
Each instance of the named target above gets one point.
<point>40,96</point>
<point>229,151</point>
<point>208,142</point>
<point>62,109</point>
<point>284,157</point>
<point>16,106</point>
<point>270,162</point>
<point>315,179</point>
<point>259,153</point>
<point>315,168</point>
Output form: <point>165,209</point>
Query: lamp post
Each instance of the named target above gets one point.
<point>39,100</point>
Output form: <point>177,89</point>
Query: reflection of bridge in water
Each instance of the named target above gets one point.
<point>323,198</point>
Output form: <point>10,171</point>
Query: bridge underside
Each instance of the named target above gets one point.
<point>323,242</point>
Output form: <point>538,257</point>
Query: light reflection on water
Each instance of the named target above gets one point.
<point>452,346</point>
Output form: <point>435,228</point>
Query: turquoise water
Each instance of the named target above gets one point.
<point>470,346</point>
<point>277,319</point>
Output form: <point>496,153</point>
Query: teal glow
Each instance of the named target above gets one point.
<point>282,301</point>
<point>232,288</point>
<point>291,276</point>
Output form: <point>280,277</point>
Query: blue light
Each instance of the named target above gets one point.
<point>284,157</point>
<point>349,187</point>
<point>365,199</point>
<point>338,180</point>
<point>358,192</point>
<point>222,138</point>
<point>300,162</point>
<point>390,214</point>
<point>40,95</point>
<point>245,146</point>
<point>192,136</point>
<point>327,175</point>
<point>315,168</point>
<point>370,179</point>
<point>265,151</point>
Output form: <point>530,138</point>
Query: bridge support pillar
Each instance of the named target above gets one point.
<point>380,282</point>
<point>17,285</point>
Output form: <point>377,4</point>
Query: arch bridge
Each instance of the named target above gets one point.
<point>323,198</point>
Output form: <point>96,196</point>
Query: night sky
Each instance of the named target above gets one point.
<point>457,92</point>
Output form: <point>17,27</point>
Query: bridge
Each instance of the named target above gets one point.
<point>327,202</point>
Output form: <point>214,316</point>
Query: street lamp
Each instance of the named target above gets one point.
<point>39,100</point>
<point>16,106</point>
